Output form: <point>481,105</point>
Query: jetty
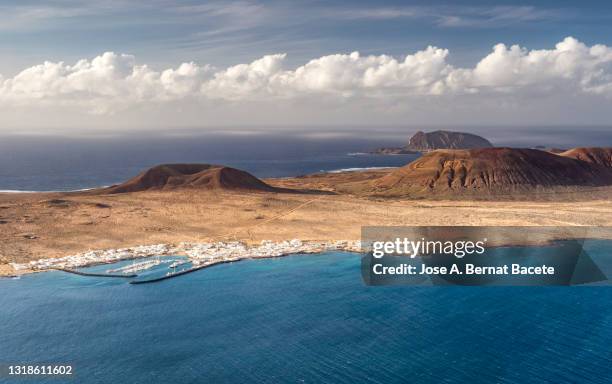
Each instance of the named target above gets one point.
<point>75,272</point>
<point>180,273</point>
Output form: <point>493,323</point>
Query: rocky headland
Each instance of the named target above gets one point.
<point>425,142</point>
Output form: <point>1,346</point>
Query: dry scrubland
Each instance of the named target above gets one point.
<point>34,226</point>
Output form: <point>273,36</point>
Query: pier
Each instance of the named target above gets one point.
<point>177,274</point>
<point>93,274</point>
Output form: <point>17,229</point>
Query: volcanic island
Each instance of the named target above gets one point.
<point>207,209</point>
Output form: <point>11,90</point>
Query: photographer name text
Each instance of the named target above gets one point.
<point>466,269</point>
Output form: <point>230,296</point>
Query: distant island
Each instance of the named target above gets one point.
<point>430,141</point>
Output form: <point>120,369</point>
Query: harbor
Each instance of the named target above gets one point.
<point>198,255</point>
<point>135,267</point>
<point>171,275</point>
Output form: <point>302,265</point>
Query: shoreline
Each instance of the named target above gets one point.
<point>207,254</point>
<point>200,254</point>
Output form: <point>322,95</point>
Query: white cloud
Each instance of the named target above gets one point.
<point>570,65</point>
<point>106,83</point>
<point>353,74</point>
<point>113,82</point>
<point>245,80</point>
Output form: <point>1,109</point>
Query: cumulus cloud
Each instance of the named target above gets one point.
<point>570,65</point>
<point>245,80</point>
<point>112,82</point>
<point>106,82</point>
<point>350,74</point>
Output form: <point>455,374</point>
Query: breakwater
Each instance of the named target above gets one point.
<point>94,274</point>
<point>177,274</point>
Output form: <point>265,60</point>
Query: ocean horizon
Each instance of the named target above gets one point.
<point>57,163</point>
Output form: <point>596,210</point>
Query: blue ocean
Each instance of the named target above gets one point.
<point>303,319</point>
<point>64,164</point>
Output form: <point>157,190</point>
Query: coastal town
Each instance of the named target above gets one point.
<point>200,254</point>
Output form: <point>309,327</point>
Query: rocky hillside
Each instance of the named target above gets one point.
<point>488,171</point>
<point>195,176</point>
<point>595,155</point>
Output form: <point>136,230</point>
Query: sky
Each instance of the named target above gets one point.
<point>81,66</point>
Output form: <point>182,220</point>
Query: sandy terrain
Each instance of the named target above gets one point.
<point>34,226</point>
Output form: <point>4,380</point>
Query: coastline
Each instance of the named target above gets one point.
<point>200,254</point>
<point>207,254</point>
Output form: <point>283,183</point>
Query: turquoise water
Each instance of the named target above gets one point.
<point>303,319</point>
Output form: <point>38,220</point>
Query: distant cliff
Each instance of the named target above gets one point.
<point>424,142</point>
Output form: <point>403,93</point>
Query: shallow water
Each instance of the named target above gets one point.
<point>304,318</point>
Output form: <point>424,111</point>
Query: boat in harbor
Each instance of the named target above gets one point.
<point>177,263</point>
<point>173,267</point>
<point>135,267</point>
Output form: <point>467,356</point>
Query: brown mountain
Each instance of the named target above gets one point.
<point>422,141</point>
<point>425,142</point>
<point>489,171</point>
<point>197,176</point>
<point>595,155</point>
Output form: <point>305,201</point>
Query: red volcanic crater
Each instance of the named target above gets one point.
<point>489,170</point>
